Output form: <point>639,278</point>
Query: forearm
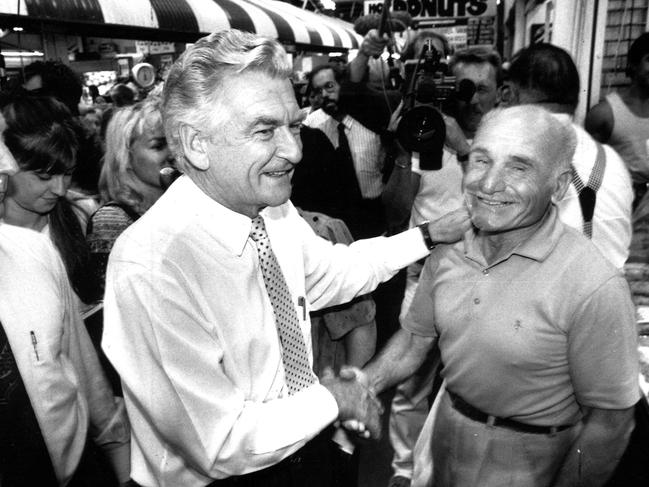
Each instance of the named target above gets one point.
<point>400,358</point>
<point>598,448</point>
<point>358,67</point>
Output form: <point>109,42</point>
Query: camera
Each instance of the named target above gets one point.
<point>429,92</point>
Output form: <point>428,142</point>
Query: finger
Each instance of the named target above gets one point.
<point>328,374</point>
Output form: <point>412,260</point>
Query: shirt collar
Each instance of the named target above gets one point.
<point>230,228</point>
<point>538,247</point>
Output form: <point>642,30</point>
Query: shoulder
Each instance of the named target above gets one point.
<point>576,255</point>
<point>599,121</point>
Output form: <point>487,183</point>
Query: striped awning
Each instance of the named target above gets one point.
<point>181,20</point>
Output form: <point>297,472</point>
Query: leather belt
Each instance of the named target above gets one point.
<point>464,408</point>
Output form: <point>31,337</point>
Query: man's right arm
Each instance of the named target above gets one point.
<point>400,358</point>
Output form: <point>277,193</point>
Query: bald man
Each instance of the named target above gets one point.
<point>535,328</point>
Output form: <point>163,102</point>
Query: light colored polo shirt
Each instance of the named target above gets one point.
<point>534,335</point>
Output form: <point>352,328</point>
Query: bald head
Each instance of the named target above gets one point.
<point>530,124</point>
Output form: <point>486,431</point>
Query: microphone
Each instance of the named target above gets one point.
<point>167,176</point>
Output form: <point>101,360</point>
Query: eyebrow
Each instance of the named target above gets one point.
<point>275,122</point>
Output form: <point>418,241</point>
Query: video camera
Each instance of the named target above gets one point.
<point>429,92</point>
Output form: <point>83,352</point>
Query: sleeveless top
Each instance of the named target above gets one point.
<point>629,138</point>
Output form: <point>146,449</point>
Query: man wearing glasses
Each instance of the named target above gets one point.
<point>352,116</point>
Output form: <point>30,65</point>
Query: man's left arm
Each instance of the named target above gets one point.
<point>598,448</point>
<point>602,355</point>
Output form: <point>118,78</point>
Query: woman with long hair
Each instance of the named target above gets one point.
<point>41,133</point>
<point>130,180</point>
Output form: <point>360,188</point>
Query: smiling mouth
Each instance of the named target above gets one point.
<point>278,174</point>
<point>493,203</point>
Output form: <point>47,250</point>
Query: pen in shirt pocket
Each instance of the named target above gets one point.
<point>34,343</point>
<point>301,302</point>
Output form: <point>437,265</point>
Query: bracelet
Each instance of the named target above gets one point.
<point>428,241</point>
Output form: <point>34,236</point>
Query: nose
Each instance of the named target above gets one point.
<point>59,185</point>
<point>492,181</point>
<point>289,145</point>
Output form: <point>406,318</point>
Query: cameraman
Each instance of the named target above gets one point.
<point>425,195</point>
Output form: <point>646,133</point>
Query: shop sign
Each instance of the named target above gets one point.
<point>433,10</point>
<point>151,47</point>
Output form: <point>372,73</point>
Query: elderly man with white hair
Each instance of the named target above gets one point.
<point>208,294</point>
<point>535,327</point>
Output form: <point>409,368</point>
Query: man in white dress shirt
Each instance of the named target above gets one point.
<point>195,323</point>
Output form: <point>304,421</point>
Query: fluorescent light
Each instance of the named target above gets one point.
<point>22,53</point>
<point>17,29</point>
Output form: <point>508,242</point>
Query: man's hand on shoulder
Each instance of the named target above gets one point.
<point>450,227</point>
<point>358,407</point>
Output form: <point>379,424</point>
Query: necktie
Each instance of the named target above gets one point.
<point>587,193</point>
<point>294,352</point>
<point>348,179</point>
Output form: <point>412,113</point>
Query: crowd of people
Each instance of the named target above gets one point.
<point>194,286</point>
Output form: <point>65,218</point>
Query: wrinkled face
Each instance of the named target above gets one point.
<point>509,181</point>
<point>254,143</point>
<point>150,153</point>
<point>485,98</point>
<point>326,90</point>
<point>37,191</point>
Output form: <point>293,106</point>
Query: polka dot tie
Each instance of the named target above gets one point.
<point>294,352</point>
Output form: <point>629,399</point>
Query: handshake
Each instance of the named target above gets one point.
<point>359,409</point>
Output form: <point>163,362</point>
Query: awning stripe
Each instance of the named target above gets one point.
<point>184,19</point>
<point>284,30</point>
<point>83,10</point>
<point>175,14</point>
<point>246,17</point>
<point>212,17</point>
<point>132,12</point>
<point>304,33</point>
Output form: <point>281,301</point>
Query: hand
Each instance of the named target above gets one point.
<point>373,44</point>
<point>455,138</point>
<point>451,227</point>
<point>358,407</point>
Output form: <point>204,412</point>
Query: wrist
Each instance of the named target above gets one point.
<point>428,240</point>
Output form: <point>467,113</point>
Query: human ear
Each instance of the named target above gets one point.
<point>561,186</point>
<point>194,147</point>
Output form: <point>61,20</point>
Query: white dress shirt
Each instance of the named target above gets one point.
<point>366,148</point>
<point>191,331</point>
<point>612,216</point>
<point>57,362</point>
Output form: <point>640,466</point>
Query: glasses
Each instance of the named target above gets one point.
<point>328,87</point>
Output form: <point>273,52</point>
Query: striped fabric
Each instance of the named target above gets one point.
<point>271,18</point>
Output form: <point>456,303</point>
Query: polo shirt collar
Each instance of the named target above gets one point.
<point>538,247</point>
<point>203,208</point>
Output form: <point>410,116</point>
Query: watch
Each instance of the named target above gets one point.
<point>423,228</point>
